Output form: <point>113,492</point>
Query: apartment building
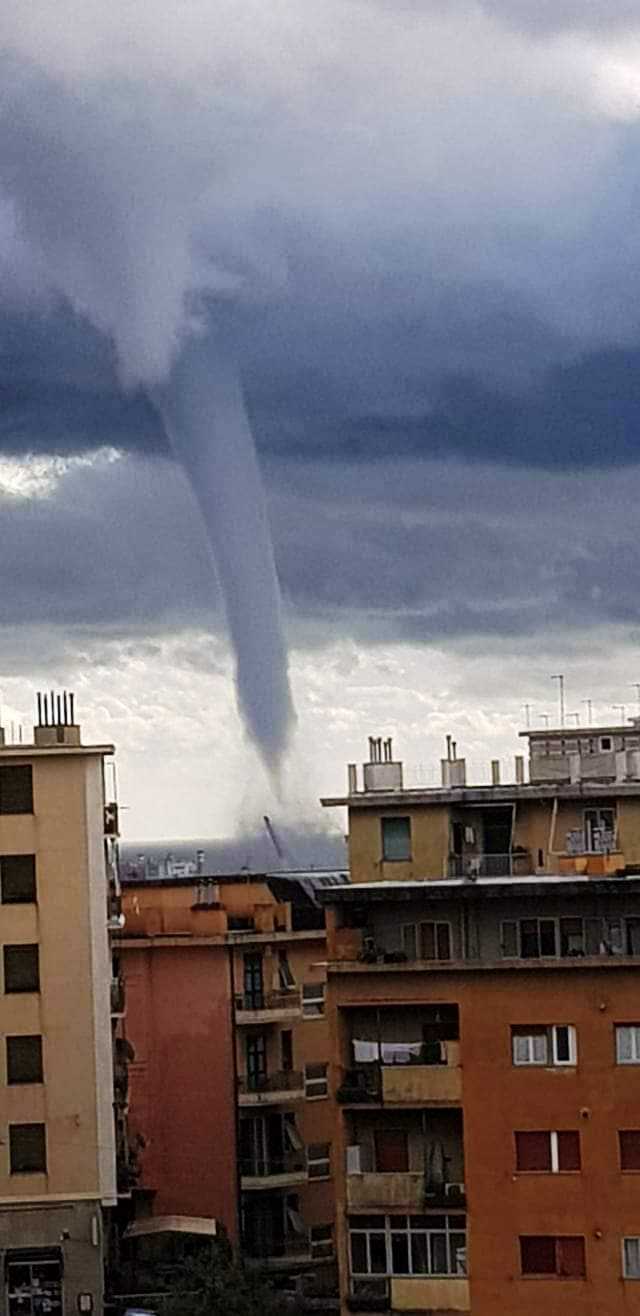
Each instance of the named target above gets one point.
<point>57,1144</point>
<point>578,811</point>
<point>228,1069</point>
<point>485,1068</point>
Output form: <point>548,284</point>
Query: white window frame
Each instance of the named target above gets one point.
<point>634,1029</point>
<point>550,1033</point>
<point>319,1167</point>
<point>313,996</point>
<point>626,1273</point>
<point>402,1225</point>
<point>316,1088</point>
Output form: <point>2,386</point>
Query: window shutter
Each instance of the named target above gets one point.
<point>570,1252</point>
<point>569,1150</point>
<point>533,1151</point>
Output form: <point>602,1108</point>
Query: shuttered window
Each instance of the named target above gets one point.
<point>629,1140</point>
<point>17,879</point>
<point>542,1254</point>
<point>16,788</point>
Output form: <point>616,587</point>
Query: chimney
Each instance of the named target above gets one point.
<point>381,773</point>
<point>519,769</point>
<point>495,772</point>
<point>352,778</point>
<point>55,725</point>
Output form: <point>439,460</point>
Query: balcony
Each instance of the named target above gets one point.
<point>279,1254</point>
<point>516,864</point>
<point>282,1087</point>
<point>404,1191</point>
<point>448,1293</point>
<point>414,1083</point>
<point>369,1295</point>
<point>269,1007</point>
<point>282,1171</point>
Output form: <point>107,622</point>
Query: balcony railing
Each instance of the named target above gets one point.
<point>276,1248</point>
<point>288,998</point>
<point>293,1162</point>
<point>516,864</point>
<point>284,1080</point>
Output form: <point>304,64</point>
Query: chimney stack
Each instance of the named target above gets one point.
<point>495,772</point>
<point>519,769</point>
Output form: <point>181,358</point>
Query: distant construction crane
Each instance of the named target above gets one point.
<point>284,855</point>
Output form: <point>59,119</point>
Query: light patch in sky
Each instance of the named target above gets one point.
<point>40,476</point>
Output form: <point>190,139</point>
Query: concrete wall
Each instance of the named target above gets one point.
<point>73,1227</point>
<point>429,836</point>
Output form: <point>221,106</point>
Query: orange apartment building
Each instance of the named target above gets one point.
<point>228,1059</point>
<point>485,1039</point>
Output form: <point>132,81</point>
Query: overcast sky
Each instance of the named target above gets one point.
<point>417,223</point>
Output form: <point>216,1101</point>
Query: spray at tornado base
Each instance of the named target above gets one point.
<point>206,420</point>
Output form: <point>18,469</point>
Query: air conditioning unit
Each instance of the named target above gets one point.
<point>354,1159</point>
<point>455,1190</point>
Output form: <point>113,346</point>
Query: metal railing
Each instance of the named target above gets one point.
<point>516,864</point>
<point>293,1162</point>
<point>284,1080</point>
<point>288,998</point>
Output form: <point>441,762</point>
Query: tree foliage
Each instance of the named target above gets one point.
<point>217,1285</point>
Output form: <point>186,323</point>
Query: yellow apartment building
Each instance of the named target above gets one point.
<point>578,812</point>
<point>57,1156</point>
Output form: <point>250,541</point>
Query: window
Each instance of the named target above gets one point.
<point>628,1044</point>
<point>599,829</point>
<point>605,743</point>
<point>286,1050</point>
<point>21,969</point>
<point>409,936</point>
<point>391,1151</point>
<point>316,1083</point>
<point>545,1255</point>
<point>629,1140</point>
<point>631,1258</point>
<point>546,938</point>
<point>16,788</point>
<point>27,1149</point>
<point>548,1151</point>
<point>401,1245</point>
<point>319,1160</point>
<point>24,1059</point>
<point>396,838</point>
<point>313,1000</point>
<point>553,1044</point>
<point>285,975</point>
<point>321,1240</point>
<point>253,983</point>
<point>256,1061</point>
<point>17,879</point>
<point>435,941</point>
<point>34,1281</point>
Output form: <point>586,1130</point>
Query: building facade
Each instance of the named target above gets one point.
<point>579,811</point>
<point>228,1075</point>
<point>487,1096</point>
<point>57,1161</point>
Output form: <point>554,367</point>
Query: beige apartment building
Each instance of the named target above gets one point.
<point>578,811</point>
<point>57,1154</point>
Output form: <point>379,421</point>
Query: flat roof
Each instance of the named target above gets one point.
<point>444,888</point>
<point>26,751</point>
<point>543,732</point>
<point>505,793</point>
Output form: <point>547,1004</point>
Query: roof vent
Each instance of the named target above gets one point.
<point>56,724</point>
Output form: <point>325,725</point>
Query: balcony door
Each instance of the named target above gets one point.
<point>253,983</point>
<point>392,1151</point>
<point>256,1061</point>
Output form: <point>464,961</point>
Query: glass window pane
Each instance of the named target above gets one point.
<point>359,1254</point>
<point>547,936</point>
<point>400,1254</point>
<point>623,1044</point>
<point>428,941</point>
<point>419,1254</point>
<point>378,1254</point>
<point>439,1254</point>
<point>444,941</point>
<point>458,1246</point>
<point>562,1044</point>
<point>540,1049</point>
<point>632,1258</point>
<point>396,838</point>
<point>509,940</point>
<point>529,938</point>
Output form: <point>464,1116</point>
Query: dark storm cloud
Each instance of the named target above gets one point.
<point>428,256</point>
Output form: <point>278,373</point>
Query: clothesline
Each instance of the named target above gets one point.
<point>391,1053</point>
